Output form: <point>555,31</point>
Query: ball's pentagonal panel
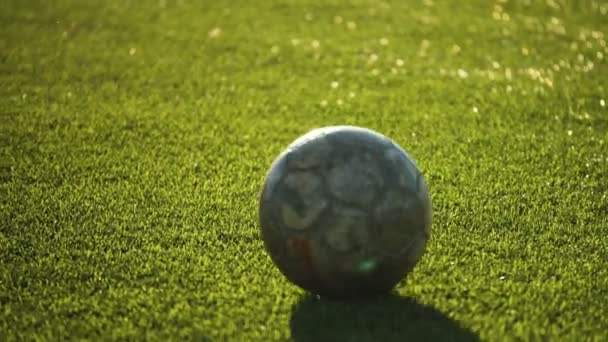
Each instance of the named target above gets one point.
<point>307,191</point>
<point>345,212</point>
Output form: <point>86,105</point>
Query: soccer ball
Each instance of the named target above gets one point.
<point>344,212</point>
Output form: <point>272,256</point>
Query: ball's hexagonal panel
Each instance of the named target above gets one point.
<point>308,152</point>
<point>354,178</point>
<point>398,209</point>
<point>345,212</point>
<point>425,198</point>
<point>273,233</point>
<point>407,172</point>
<point>274,177</point>
<point>346,229</point>
<point>416,249</point>
<point>356,138</point>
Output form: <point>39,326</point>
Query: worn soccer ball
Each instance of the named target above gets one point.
<point>345,212</point>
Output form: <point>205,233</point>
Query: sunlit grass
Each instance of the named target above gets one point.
<point>136,135</point>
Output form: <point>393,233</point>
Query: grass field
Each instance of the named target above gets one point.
<point>136,136</point>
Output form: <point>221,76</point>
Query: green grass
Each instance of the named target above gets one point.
<point>136,136</point>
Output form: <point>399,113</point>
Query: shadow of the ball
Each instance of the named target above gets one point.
<point>385,319</point>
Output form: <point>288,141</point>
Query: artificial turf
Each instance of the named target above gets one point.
<point>136,136</point>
